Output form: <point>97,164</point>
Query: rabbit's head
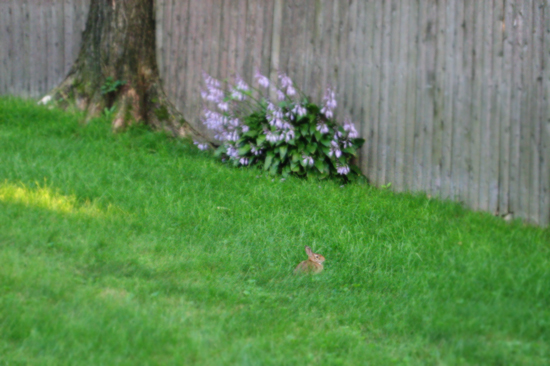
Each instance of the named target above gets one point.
<point>314,257</point>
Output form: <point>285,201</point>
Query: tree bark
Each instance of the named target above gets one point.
<point>119,51</point>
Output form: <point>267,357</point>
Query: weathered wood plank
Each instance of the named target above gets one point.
<point>485,74</point>
<point>498,51</point>
<point>382,148</point>
<point>504,102</point>
<point>393,75</point>
<point>412,74</point>
<point>439,122</point>
<point>476,105</point>
<point>375,99</point>
<point>465,118</point>
<point>451,29</point>
<point>526,110</point>
<point>515,112</point>
<point>545,123</point>
<point>181,53</point>
<point>537,45</point>
<point>361,76</point>
<point>16,53</point>
<point>457,170</point>
<point>159,36</point>
<point>267,43</point>
<point>276,43</point>
<point>420,97</point>
<point>5,36</point>
<point>400,102</point>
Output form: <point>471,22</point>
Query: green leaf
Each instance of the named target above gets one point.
<point>358,142</point>
<point>304,129</point>
<point>311,148</point>
<point>326,141</point>
<point>251,133</point>
<point>244,150</point>
<point>350,150</point>
<point>260,140</point>
<point>268,159</point>
<point>286,171</point>
<point>282,151</point>
<point>274,167</point>
<point>317,135</point>
<point>320,165</point>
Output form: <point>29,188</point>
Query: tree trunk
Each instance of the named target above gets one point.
<point>117,69</point>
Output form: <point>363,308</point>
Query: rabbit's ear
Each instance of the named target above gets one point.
<point>309,251</point>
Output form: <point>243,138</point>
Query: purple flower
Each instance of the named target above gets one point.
<point>223,106</point>
<point>285,80</point>
<point>322,128</point>
<point>271,137</point>
<point>350,129</point>
<point>280,95</point>
<point>241,85</point>
<point>299,110</point>
<point>232,152</point>
<point>201,146</point>
<point>213,93</point>
<point>289,135</point>
<point>210,81</point>
<point>307,160</point>
<point>244,161</point>
<point>290,91</point>
<point>342,169</point>
<point>256,150</point>
<point>335,149</point>
<point>262,80</point>
<point>329,103</point>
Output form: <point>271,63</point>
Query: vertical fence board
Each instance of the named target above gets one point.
<point>374,113</point>
<point>497,49</point>
<point>439,124</point>
<point>525,110</point>
<point>276,41</point>
<point>5,62</point>
<point>383,121</point>
<point>536,98</point>
<point>457,149</point>
<point>465,124</point>
<point>474,145</point>
<point>412,74</point>
<point>504,101</point>
<point>159,37</point>
<point>420,97</point>
<point>515,106</point>
<point>447,138</point>
<point>545,133</point>
<point>15,50</point>
<point>393,76</point>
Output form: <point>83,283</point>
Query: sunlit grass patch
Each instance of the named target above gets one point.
<point>45,197</point>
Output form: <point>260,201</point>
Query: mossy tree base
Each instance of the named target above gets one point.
<point>118,50</point>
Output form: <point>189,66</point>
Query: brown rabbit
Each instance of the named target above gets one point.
<point>314,263</point>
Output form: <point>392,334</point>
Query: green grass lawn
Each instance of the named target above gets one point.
<point>137,249</point>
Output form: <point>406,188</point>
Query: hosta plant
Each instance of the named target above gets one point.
<point>289,136</point>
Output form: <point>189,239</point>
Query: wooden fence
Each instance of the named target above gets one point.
<point>452,96</point>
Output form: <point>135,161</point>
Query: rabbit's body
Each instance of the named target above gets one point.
<point>314,263</point>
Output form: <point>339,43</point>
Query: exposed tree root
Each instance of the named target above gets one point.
<point>151,107</point>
